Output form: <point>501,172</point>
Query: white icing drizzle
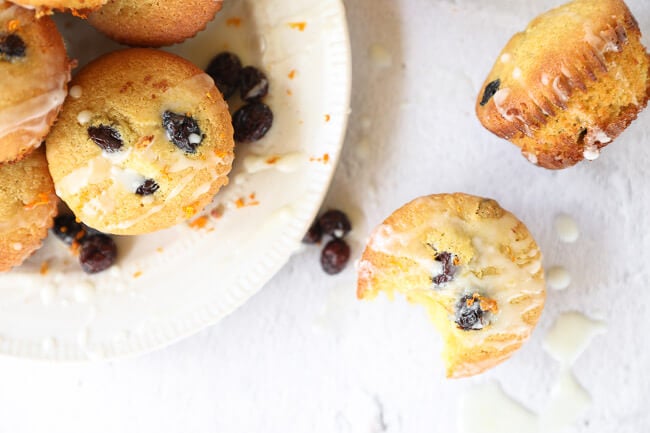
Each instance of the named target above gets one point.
<point>559,92</point>
<point>130,179</point>
<point>287,163</point>
<point>84,117</point>
<point>558,278</point>
<point>605,42</point>
<point>500,100</point>
<point>31,115</point>
<point>591,152</point>
<point>570,336</point>
<point>202,189</point>
<point>596,135</point>
<point>516,73</point>
<point>545,79</point>
<point>531,157</point>
<point>566,228</point>
<point>505,58</point>
<point>508,113</point>
<point>194,138</point>
<point>490,408</point>
<point>75,92</point>
<point>96,171</point>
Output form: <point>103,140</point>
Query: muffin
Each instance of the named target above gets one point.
<point>27,208</point>
<point>153,24</point>
<point>145,142</point>
<point>35,72</point>
<point>569,84</point>
<point>473,265</point>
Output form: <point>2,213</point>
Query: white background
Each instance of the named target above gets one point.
<point>304,356</point>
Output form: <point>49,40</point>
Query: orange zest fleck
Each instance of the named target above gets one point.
<point>292,74</point>
<point>160,249</point>
<point>233,22</point>
<point>289,92</point>
<point>137,274</point>
<point>189,211</point>
<point>200,222</point>
<point>486,304</point>
<point>80,13</point>
<point>13,26</point>
<point>45,267</point>
<point>41,199</point>
<point>324,159</point>
<point>300,26</point>
<point>242,201</point>
<point>328,117</point>
<point>273,159</point>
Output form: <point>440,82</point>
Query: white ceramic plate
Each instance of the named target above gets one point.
<point>171,284</point>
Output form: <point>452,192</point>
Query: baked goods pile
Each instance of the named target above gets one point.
<point>561,91</point>
<point>140,140</point>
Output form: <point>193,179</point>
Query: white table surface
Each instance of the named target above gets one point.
<point>305,356</point>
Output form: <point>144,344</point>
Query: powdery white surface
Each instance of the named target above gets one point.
<point>304,355</point>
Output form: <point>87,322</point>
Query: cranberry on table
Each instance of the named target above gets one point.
<point>313,235</point>
<point>67,229</point>
<point>97,253</point>
<point>335,256</point>
<point>253,84</point>
<point>252,121</point>
<point>224,70</point>
<point>335,223</point>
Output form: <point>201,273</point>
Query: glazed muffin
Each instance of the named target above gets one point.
<point>153,23</point>
<point>27,208</point>
<point>569,84</point>
<point>35,72</point>
<point>78,7</point>
<point>144,142</point>
<point>471,264</point>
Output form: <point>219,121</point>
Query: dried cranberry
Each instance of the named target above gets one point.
<point>252,121</point>
<point>335,223</point>
<point>97,253</point>
<point>224,70</point>
<point>490,90</point>
<point>448,268</point>
<point>106,137</point>
<point>335,256</point>
<point>68,229</point>
<point>469,315</point>
<point>253,84</point>
<point>313,235</point>
<point>147,188</point>
<point>12,46</point>
<point>183,131</point>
